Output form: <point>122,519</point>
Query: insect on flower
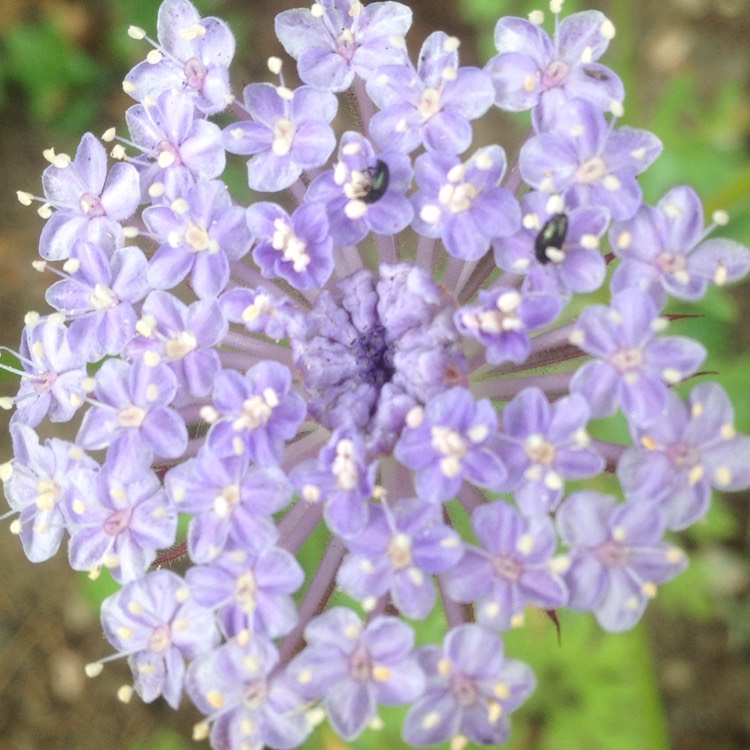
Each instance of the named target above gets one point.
<point>551,237</point>
<point>379,176</point>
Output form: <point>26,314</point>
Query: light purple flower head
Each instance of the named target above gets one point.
<point>664,250</point>
<point>375,382</point>
<point>513,568</point>
<point>353,667</point>
<point>288,131</point>
<point>534,71</point>
<point>193,56</point>
<point>90,201</point>
<point>617,557</point>
<point>37,484</point>
<point>337,39</point>
<point>247,702</point>
<point>556,248</point>
<point>471,688</point>
<point>200,232</point>
<point>179,148</point>
<point>462,203</point>
<point>676,461</point>
<point>157,625</point>
<point>634,365</point>
<point>448,441</point>
<point>53,373</point>
<point>398,553</point>
<point>296,248</point>
<point>580,155</point>
<point>432,105</point>
<point>364,192</point>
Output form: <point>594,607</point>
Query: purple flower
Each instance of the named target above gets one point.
<point>617,557</point>
<point>533,70</point>
<point>352,667</point>
<point>448,441</point>
<point>471,688</point>
<point>200,233</point>
<point>99,298</point>
<point>193,56</point>
<point>544,445</point>
<point>573,264</point>
<point>159,627</point>
<point>296,248</point>
<point>503,318</point>
<point>373,348</point>
<point>229,500</point>
<point>254,414</point>
<point>120,517</point>
<point>431,105</point>
<point>249,704</point>
<point>462,203</point>
<point>633,365</point>
<point>38,483</point>
<point>184,338</point>
<point>131,411</point>
<point>179,148</point>
<point>513,568</point>
<point>90,203</point>
<point>289,131</point>
<point>592,164</point>
<point>260,311</point>
<point>53,373</point>
<point>316,396</point>
<point>665,250</point>
<point>352,213</point>
<point>398,553</point>
<point>338,39</point>
<point>340,478</point>
<point>676,461</point>
<point>250,590</point>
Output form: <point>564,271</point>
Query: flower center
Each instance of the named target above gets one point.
<point>555,74</point>
<point>292,247</point>
<point>673,263</point>
<point>613,554</point>
<point>254,695</point>
<point>245,589</point>
<point>91,205</point>
<point>169,154</point>
<point>539,450</point>
<point>591,171</point>
<point>457,195</point>
<point>683,455</point>
<point>628,360</point>
<point>464,691</point>
<point>429,103</point>
<point>374,347</point>
<point>195,73</point>
<point>197,239</point>
<point>117,522</point>
<point>283,136</point>
<point>360,665</point>
<point>102,298</point>
<point>399,551</point>
<point>161,639</point>
<point>227,501</point>
<point>131,416</point>
<point>506,567</point>
<point>181,345</point>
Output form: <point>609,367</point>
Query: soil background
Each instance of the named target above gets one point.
<point>48,631</point>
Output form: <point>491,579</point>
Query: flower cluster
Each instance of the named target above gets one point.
<point>351,358</point>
